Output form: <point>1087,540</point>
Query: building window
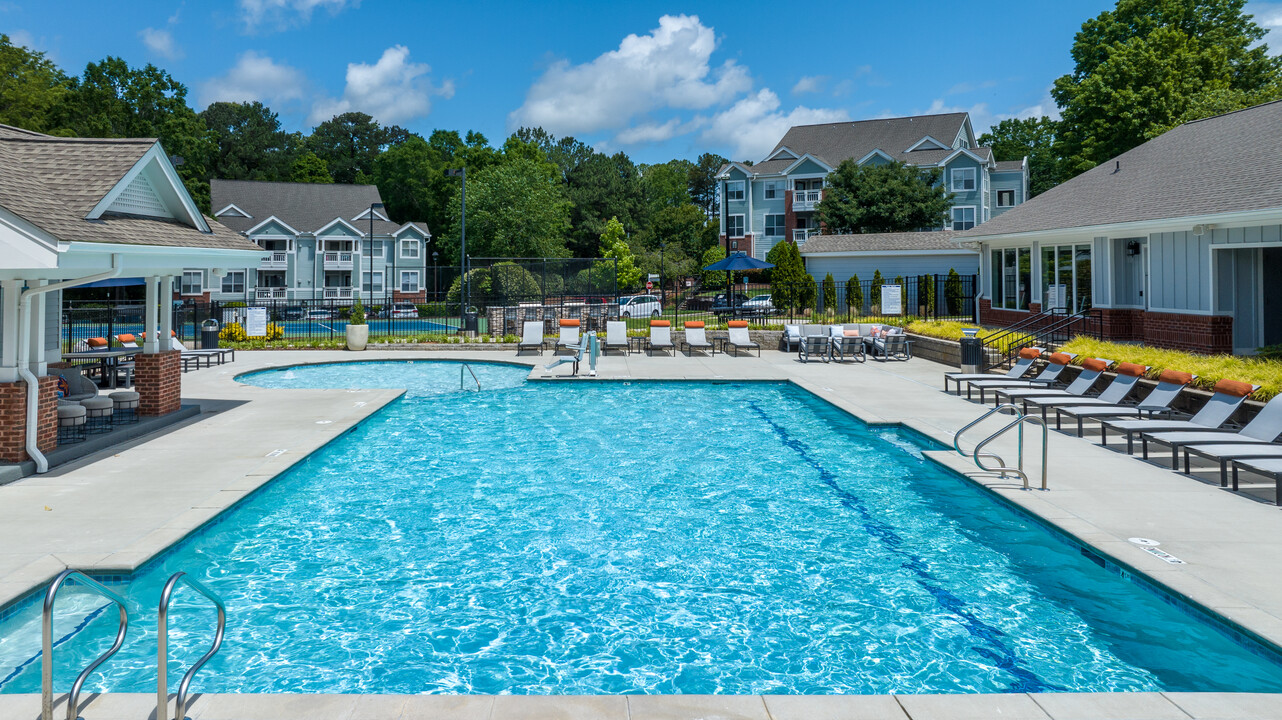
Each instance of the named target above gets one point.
<point>1010,278</point>
<point>734,190</point>
<point>234,282</point>
<point>734,226</point>
<point>376,287</point>
<point>963,179</point>
<point>1005,198</point>
<point>409,249</point>
<point>963,218</point>
<point>193,282</point>
<point>375,251</point>
<point>409,281</point>
<point>1066,278</point>
<point>774,189</point>
<point>775,225</point>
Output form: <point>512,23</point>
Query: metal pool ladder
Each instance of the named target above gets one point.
<point>1003,468</point>
<point>465,366</point>
<point>46,656</point>
<point>162,642</point>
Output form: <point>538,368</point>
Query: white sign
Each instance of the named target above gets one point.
<point>256,322</point>
<point>653,278</point>
<point>892,300</point>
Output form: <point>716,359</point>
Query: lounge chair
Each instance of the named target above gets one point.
<point>127,340</point>
<point>814,341</point>
<point>1255,439</point>
<point>1022,365</point>
<point>791,337</point>
<point>616,336</point>
<point>1227,398</point>
<point>738,338</point>
<point>531,337</point>
<point>1055,364</point>
<point>697,338</point>
<point>660,337</point>
<point>846,340</point>
<point>1169,385</point>
<point>208,353</point>
<point>1271,467</point>
<point>569,334</point>
<point>77,386</point>
<point>1126,379</point>
<point>1092,369</point>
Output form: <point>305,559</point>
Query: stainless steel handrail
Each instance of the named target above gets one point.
<point>957,436</point>
<point>46,657</point>
<point>162,643</point>
<point>1019,470</point>
<point>460,376</point>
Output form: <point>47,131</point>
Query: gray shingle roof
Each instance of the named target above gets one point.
<point>834,142</point>
<point>1222,164</point>
<point>306,207</point>
<point>875,242</point>
<point>1009,166</point>
<point>54,182</point>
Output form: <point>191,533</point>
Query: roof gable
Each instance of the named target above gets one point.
<point>835,142</point>
<point>927,143</point>
<point>151,188</point>
<point>338,226</point>
<point>782,153</point>
<point>272,226</point>
<point>232,211</point>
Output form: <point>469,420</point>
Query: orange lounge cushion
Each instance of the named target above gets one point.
<point>126,338</point>
<point>1176,377</point>
<point>97,342</point>
<point>1131,369</point>
<point>1030,353</point>
<point>694,323</point>
<point>850,333</point>
<point>738,323</point>
<point>660,323</point>
<point>569,323</point>
<point>1236,388</point>
<point>1060,358</point>
<point>1094,364</point>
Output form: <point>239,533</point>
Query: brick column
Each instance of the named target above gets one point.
<point>13,419</point>
<point>158,380</point>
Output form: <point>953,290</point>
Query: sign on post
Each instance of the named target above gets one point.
<point>892,300</point>
<point>256,322</point>
<point>649,285</point>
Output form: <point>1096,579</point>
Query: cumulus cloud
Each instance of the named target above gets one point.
<point>391,90</point>
<point>256,77</point>
<point>651,132</point>
<point>665,69</point>
<point>161,42</point>
<point>283,13</point>
<point>809,84</point>
<point>755,123</point>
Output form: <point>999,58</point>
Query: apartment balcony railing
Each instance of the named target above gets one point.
<point>277,261</point>
<point>804,200</point>
<point>338,293</point>
<point>338,261</point>
<point>801,235</point>
<point>271,293</point>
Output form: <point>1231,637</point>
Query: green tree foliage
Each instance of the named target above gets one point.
<point>926,288</point>
<point>602,187</point>
<point>615,245</point>
<point>830,293</point>
<point>954,296</point>
<point>683,227</point>
<point>712,278</point>
<point>1032,138</point>
<point>348,144</point>
<point>806,292</point>
<point>788,278</point>
<point>666,185</point>
<point>702,181</point>
<point>31,87</point>
<point>249,142</point>
<point>514,209</point>
<point>506,280</point>
<point>893,197</point>
<point>874,292</point>
<point>854,295</point>
<point>307,168</point>
<point>566,153</point>
<point>1139,67</point>
<point>411,180</point>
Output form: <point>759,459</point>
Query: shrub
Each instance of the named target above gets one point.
<point>949,330</point>
<point>806,292</point>
<point>275,332</point>
<point>357,314</point>
<point>926,287</point>
<point>236,304</point>
<point>874,293</point>
<point>232,332</point>
<point>953,294</point>
<point>1210,369</point>
<point>830,293</point>
<point>854,295</point>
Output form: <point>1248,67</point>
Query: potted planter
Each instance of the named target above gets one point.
<point>357,331</point>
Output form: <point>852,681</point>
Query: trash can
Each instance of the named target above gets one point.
<point>209,334</point>
<point>972,351</point>
<point>470,323</point>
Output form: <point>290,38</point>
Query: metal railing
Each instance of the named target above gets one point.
<point>338,261</point>
<point>1003,468</point>
<point>806,199</point>
<point>277,261</point>
<point>1048,330</point>
<point>162,646</point>
<point>339,293</point>
<point>46,656</point>
<point>467,367</point>
<point>271,293</point>
<point>801,235</point>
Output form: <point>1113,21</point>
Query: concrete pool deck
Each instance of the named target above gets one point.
<point>112,511</point>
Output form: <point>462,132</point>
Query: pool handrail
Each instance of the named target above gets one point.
<point>1019,470</point>
<point>1014,410</point>
<point>460,376</point>
<point>46,656</point>
<point>162,642</point>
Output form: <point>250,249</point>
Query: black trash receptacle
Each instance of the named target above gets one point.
<point>972,354</point>
<point>470,323</point>
<point>209,334</point>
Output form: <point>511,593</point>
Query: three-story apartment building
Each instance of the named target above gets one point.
<point>321,244</point>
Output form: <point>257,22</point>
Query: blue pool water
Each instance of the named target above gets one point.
<point>568,538</point>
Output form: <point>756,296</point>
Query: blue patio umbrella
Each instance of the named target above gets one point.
<point>739,262</point>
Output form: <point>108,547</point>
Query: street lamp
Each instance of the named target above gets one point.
<point>436,277</point>
<point>663,289</point>
<point>462,251</point>
<point>372,208</point>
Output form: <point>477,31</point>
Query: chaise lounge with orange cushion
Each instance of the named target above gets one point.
<point>1092,370</point>
<point>696,338</point>
<point>738,337</point>
<point>1169,385</point>
<point>1055,364</point>
<point>1023,363</point>
<point>660,337</point>
<point>1227,398</point>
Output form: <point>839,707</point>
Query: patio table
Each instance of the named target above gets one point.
<point>107,360</point>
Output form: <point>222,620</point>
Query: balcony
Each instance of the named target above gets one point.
<point>271,293</point>
<point>277,261</point>
<point>338,293</point>
<point>801,235</point>
<point>806,200</point>
<point>338,261</point>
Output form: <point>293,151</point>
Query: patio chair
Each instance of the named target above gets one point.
<point>210,354</point>
<point>696,337</point>
<point>1055,364</point>
<point>1256,439</point>
<point>1269,467</point>
<point>738,337</point>
<point>660,337</point>
<point>846,340</point>
<point>1169,385</point>
<point>1224,402</point>
<point>1125,380</point>
<point>814,341</point>
<point>1092,369</point>
<point>1023,363</point>
<point>616,336</point>
<point>74,386</point>
<point>791,337</point>
<point>127,340</point>
<point>569,334</point>
<point>531,337</point>
<point>892,344</point>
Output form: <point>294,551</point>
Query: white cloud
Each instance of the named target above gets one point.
<point>256,77</point>
<point>1268,15</point>
<point>809,84</point>
<point>391,90</point>
<point>282,13</point>
<point>160,42</point>
<point>667,69</point>
<point>22,38</point>
<point>980,117</point>
<point>754,124</point>
<point>651,132</point>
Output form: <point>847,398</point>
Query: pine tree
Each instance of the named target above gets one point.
<point>854,295</point>
<point>787,283</point>
<point>830,294</point>
<point>874,293</point>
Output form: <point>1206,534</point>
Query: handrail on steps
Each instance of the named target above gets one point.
<point>162,642</point>
<point>1003,468</point>
<point>460,376</point>
<point>46,655</point>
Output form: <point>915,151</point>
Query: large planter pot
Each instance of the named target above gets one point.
<point>357,337</point>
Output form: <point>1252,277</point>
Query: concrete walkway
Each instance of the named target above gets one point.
<point>113,511</point>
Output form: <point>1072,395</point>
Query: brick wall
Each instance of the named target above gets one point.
<point>1199,333</point>
<point>13,419</point>
<point>1123,323</point>
<point>990,316</point>
<point>158,380</point>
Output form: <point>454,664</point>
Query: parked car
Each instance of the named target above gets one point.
<point>293,312</point>
<point>640,306</point>
<point>760,302</point>
<point>319,314</point>
<point>403,310</point>
<point>736,299</point>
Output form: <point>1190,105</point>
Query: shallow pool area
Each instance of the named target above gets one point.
<point>646,537</point>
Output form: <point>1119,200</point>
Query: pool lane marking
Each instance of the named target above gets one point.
<point>88,618</point>
<point>1004,658</point>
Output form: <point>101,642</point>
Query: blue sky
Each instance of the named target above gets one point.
<point>657,80</point>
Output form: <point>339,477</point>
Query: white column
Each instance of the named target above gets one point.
<point>150,346</point>
<point>37,360</point>
<point>166,310</point>
<point>10,292</point>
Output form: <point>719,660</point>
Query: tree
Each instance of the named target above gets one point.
<point>874,292</point>
<point>713,278</point>
<point>683,225</point>
<point>806,292</point>
<point>307,168</point>
<point>1032,138</point>
<point>703,182</point>
<point>31,87</point>
<point>830,294</point>
<point>348,144</point>
<point>855,295</point>
<point>614,245</point>
<point>953,293</point>
<point>926,284</point>
<point>666,185</point>
<point>566,153</point>
<point>249,142</point>
<point>892,197</point>
<point>788,277</point>
<point>602,187</point>
<point>514,209</point>
<point>411,180</point>
<point>1140,66</point>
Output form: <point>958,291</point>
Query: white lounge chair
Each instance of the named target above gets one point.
<point>697,338</point>
<point>569,334</point>
<point>791,337</point>
<point>660,337</point>
<point>738,337</point>
<point>1092,369</point>
<point>531,337</point>
<point>616,336</point>
<point>1022,365</point>
<point>1227,398</point>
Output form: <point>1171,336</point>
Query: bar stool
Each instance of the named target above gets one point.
<point>98,414</point>
<point>71,423</point>
<point>125,407</point>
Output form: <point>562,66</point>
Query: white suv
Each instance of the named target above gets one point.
<point>640,306</point>
<point>404,310</point>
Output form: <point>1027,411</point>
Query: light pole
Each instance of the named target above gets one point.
<point>436,277</point>
<point>372,208</point>
<point>663,289</point>
<point>462,251</point>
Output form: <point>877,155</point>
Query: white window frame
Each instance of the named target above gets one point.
<point>409,243</point>
<point>953,223</point>
<point>963,173</point>
<point>735,190</point>
<point>1000,192</point>
<point>774,189</point>
<point>377,286</point>
<point>376,250</point>
<point>729,224</point>
<point>405,275</point>
<point>229,278</point>
<point>185,288</point>
<point>783,224</point>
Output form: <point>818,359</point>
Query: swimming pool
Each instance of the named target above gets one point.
<point>569,538</point>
